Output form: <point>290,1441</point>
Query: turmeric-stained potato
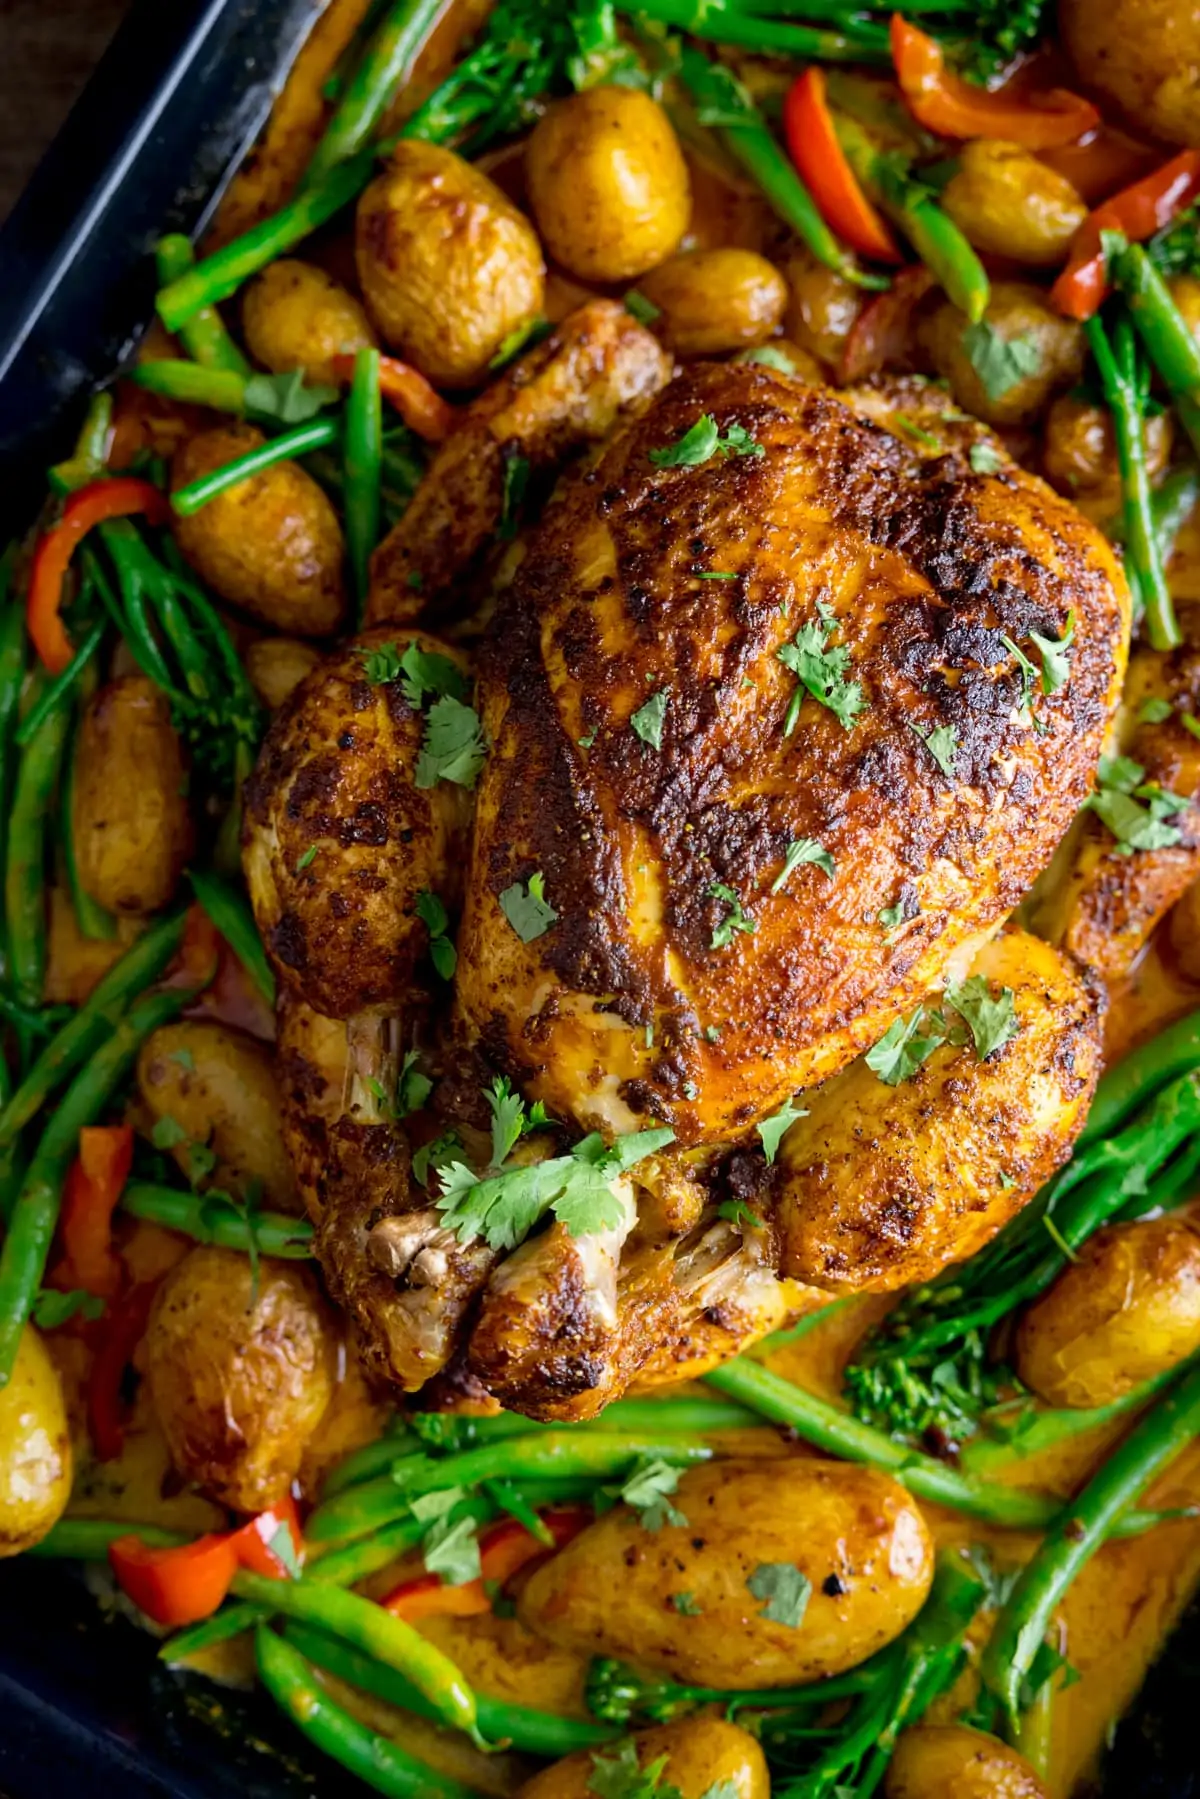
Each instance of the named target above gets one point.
<point>239,1379</point>
<point>271,545</point>
<point>448,266</point>
<point>1185,932</point>
<point>220,1087</point>
<point>1127,1308</point>
<point>277,665</point>
<point>854,1534</point>
<point>607,183</point>
<point>715,301</point>
<point>1079,451</point>
<point>1185,291</point>
<point>1005,369</point>
<point>822,307</point>
<point>1007,203</point>
<point>950,1761</point>
<point>296,316</point>
<point>700,1753</point>
<point>1143,57</point>
<point>35,1447</point>
<point>130,825</point>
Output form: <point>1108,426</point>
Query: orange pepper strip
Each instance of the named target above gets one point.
<point>124,1327</point>
<point>946,104</point>
<point>175,1586</point>
<point>90,506</point>
<point>1137,212</point>
<point>504,1549</point>
<point>93,1188</point>
<point>814,148</point>
<point>420,406</point>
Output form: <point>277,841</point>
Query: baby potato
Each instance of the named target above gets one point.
<point>448,266</point>
<point>35,1448</point>
<point>951,1761</point>
<point>822,308</point>
<point>220,1086</point>
<point>271,545</point>
<point>715,301</point>
<point>1185,932</point>
<point>607,183</point>
<point>1079,452</point>
<point>296,316</point>
<point>276,667</point>
<point>1017,313</point>
<point>1126,1309</point>
<point>130,824</point>
<point>239,1381</point>
<point>700,1753</point>
<point>854,1534</point>
<point>1007,203</point>
<point>1141,56</point>
<point>1185,291</point>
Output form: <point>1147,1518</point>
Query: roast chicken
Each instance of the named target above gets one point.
<point>764,744</point>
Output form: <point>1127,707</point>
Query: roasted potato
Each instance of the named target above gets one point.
<point>219,1086</point>
<point>950,1761</point>
<point>1127,1308</point>
<point>277,665</point>
<point>1142,57</point>
<point>35,1448</point>
<point>239,1380</point>
<point>271,545</point>
<point>1079,452</point>
<point>1185,291</point>
<point>700,1753</point>
<point>822,308</point>
<point>1007,203</point>
<point>1008,392</point>
<point>448,266</point>
<point>607,183</point>
<point>130,824</point>
<point>854,1534</point>
<point>296,316</point>
<point>1185,932</point>
<point>714,301</point>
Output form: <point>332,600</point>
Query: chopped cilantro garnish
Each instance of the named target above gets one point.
<point>420,671</point>
<point>891,917</point>
<point>648,720</point>
<point>737,919</point>
<point>821,672</point>
<point>985,459</point>
<point>527,909</point>
<point>432,913</point>
<point>640,308</point>
<point>1118,803</point>
<point>286,399</point>
<point>685,1604</point>
<point>647,1489</point>
<point>437,1154</point>
<point>785,1591</point>
<point>516,480</point>
<point>942,744</point>
<point>412,1087</point>
<point>800,850</point>
<point>307,859</point>
<point>1154,711</point>
<point>772,1130</point>
<point>167,1132</point>
<point>52,1309</point>
<point>510,1120</point>
<point>740,1215</point>
<point>991,1022</point>
<point>771,357</point>
<point>904,1046</point>
<point>1000,362</point>
<point>925,440</point>
<point>702,442</point>
<point>1053,651</point>
<point>454,747</point>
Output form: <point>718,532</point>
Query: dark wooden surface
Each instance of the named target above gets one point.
<point>47,51</point>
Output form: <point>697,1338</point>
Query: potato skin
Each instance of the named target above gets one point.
<point>238,1387</point>
<point>1007,203</point>
<point>700,1752</point>
<point>220,1086</point>
<point>1127,1309</point>
<point>272,545</point>
<point>715,301</point>
<point>276,666</point>
<point>1185,932</point>
<point>607,183</point>
<point>1142,57</point>
<point>951,1761</point>
<point>822,308</point>
<point>129,815</point>
<point>855,1534</point>
<point>35,1448</point>
<point>448,266</point>
<point>296,316</point>
<point>1016,310</point>
<point>1079,452</point>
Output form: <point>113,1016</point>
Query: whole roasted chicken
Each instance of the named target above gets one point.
<point>784,702</point>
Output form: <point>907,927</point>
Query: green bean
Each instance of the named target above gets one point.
<point>92,1023</point>
<point>510,1499</point>
<point>375,1760</point>
<point>203,336</point>
<point>231,1621</point>
<point>525,1730</point>
<point>90,455</point>
<point>23,1256</point>
<point>25,863</point>
<point>1052,1426</point>
<point>1162,328</point>
<point>348,1563</point>
<point>89,1539</point>
<point>314,435</point>
<point>1138,1076</point>
<point>224,389</point>
<point>1134,1523</point>
<point>94,923</point>
<point>1080,1530</point>
<point>863,42</point>
<point>372,1459</point>
<point>449,1431</point>
<point>231,915</point>
<point>52,693</point>
<point>363,462</point>
<point>209,1219</point>
<point>841,1434</point>
<point>394,47</point>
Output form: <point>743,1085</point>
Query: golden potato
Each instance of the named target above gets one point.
<point>854,1534</point>
<point>448,266</point>
<point>129,813</point>
<point>715,301</point>
<point>239,1382</point>
<point>1079,451</point>
<point>700,1753</point>
<point>950,1761</point>
<point>822,307</point>
<point>296,316</point>
<point>75,963</point>
<point>1142,57</point>
<point>607,183</point>
<point>1017,314</point>
<point>1185,291</point>
<point>1185,932</point>
<point>35,1448</point>
<point>220,1087</point>
<point>1007,203</point>
<point>271,545</point>
<point>1126,1309</point>
<point>277,665</point>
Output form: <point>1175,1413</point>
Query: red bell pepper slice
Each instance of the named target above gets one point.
<point>1137,212</point>
<point>505,1548</point>
<point>946,104</point>
<point>126,1326</point>
<point>93,1189</point>
<point>175,1586</point>
<point>881,332</point>
<point>91,505</point>
<point>814,148</point>
<point>254,1542</point>
<point>419,404</point>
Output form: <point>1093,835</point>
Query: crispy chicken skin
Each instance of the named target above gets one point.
<point>623,1010</point>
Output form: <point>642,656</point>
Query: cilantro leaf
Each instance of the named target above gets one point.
<point>286,399</point>
<point>771,357</point>
<point>942,744</point>
<point>721,1789</point>
<point>821,672</point>
<point>737,441</point>
<point>648,720</point>
<point>184,1058</point>
<point>772,1130</point>
<point>891,917</point>
<point>740,1215</point>
<point>991,1022</point>
<point>1000,362</point>
<point>1117,803</point>
<point>924,440</point>
<point>702,442</point>
<point>427,671</point>
<point>433,915</point>
<point>521,337</point>
<point>452,1550</point>
<point>438,1154</point>
<point>617,1774</point>
<point>167,1132</point>
<point>1053,651</point>
<point>648,1488</point>
<point>905,1045</point>
<point>516,481</point>
<point>985,458</point>
<point>1154,711</point>
<point>412,1087</point>
<point>508,1118</point>
<point>785,1592</point>
<point>527,909</point>
<point>52,1309</point>
<point>308,857</point>
<point>737,919</point>
<point>1120,772</point>
<point>640,308</point>
<point>686,1606</point>
<point>802,849</point>
<point>1028,678</point>
<point>454,747</point>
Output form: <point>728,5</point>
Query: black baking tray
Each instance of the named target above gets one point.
<point>183,90</point>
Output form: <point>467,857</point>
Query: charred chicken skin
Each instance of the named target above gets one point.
<point>760,740</point>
